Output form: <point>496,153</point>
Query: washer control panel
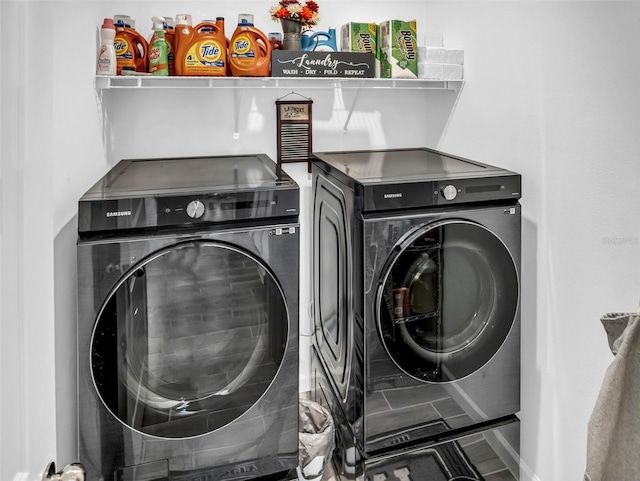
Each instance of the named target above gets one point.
<point>225,207</point>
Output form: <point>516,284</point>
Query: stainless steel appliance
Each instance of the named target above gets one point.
<point>416,293</point>
<point>482,453</point>
<point>188,320</point>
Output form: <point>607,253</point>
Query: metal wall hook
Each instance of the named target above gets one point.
<point>294,93</point>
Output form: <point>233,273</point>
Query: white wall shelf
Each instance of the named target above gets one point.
<point>313,83</point>
<point>241,84</point>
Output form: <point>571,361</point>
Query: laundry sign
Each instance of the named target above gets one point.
<point>294,132</point>
<point>293,63</point>
<point>295,111</point>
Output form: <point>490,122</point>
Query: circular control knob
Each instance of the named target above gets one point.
<point>449,192</point>
<point>195,209</point>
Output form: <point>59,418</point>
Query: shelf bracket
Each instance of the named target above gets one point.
<point>102,114</point>
<point>237,101</point>
<point>353,106</point>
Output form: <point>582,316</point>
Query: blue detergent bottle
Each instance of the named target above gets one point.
<point>320,41</point>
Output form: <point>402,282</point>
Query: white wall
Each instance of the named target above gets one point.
<point>550,92</point>
<point>27,350</point>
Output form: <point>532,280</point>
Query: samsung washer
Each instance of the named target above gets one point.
<point>416,292</point>
<point>188,320</point>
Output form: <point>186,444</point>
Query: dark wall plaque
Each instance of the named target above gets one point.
<point>294,130</point>
<point>294,63</point>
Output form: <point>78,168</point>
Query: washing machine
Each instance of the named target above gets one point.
<point>188,320</point>
<point>416,297</point>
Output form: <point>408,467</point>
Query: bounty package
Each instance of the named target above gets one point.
<point>358,37</point>
<point>398,49</point>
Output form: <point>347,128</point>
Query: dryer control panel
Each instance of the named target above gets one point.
<point>415,195</point>
<point>414,178</point>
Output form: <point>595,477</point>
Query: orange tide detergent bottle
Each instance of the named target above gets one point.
<point>131,47</point>
<point>183,34</point>
<point>249,50</point>
<point>200,50</point>
<point>220,24</point>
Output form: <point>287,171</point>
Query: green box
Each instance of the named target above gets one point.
<point>398,49</point>
<point>358,37</point>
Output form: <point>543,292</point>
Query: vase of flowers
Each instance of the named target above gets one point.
<point>294,16</point>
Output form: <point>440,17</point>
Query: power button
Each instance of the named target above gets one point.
<point>449,192</point>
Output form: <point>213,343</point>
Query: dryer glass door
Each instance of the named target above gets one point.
<point>189,339</point>
<point>447,300</point>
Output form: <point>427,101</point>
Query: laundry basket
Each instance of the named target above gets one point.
<point>315,440</point>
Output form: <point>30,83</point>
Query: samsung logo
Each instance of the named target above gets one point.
<point>393,196</point>
<point>119,213</point>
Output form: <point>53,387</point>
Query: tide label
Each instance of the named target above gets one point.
<point>205,57</point>
<point>121,47</point>
<point>242,47</point>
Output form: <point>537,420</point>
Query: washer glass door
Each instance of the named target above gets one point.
<point>189,339</point>
<point>447,300</point>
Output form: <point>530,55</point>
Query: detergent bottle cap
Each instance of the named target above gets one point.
<point>122,20</point>
<point>108,23</point>
<point>168,22</point>
<point>183,19</point>
<point>245,20</point>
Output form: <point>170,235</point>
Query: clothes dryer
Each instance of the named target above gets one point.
<point>188,320</point>
<point>416,292</point>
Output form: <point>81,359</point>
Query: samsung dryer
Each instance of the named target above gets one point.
<point>416,296</point>
<point>188,320</point>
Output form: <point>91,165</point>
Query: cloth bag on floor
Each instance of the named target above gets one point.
<point>613,442</point>
<point>315,439</point>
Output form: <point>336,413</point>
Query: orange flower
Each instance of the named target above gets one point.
<point>305,12</point>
